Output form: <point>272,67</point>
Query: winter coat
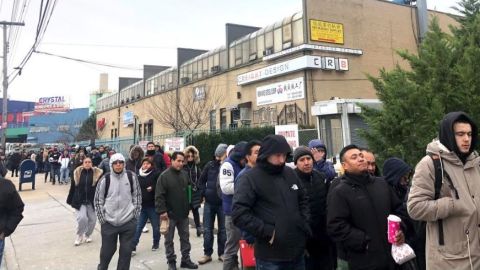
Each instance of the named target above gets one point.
<point>96,159</point>
<point>82,188</point>
<point>149,180</point>
<point>14,161</point>
<point>228,177</point>
<point>11,207</point>
<point>460,215</point>
<point>208,182</point>
<point>316,186</point>
<point>193,171</point>
<point>105,165</point>
<point>54,159</point>
<point>122,202</point>
<point>132,164</point>
<point>265,203</point>
<point>158,161</point>
<point>357,220</point>
<point>171,194</point>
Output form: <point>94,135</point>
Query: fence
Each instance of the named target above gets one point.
<point>122,144</point>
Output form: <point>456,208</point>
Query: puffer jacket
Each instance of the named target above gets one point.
<point>135,164</point>
<point>193,171</point>
<point>461,216</point>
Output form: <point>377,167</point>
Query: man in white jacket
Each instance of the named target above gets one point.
<point>229,171</point>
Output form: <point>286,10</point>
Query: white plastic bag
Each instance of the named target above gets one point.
<point>402,253</point>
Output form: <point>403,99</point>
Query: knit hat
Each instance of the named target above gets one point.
<point>394,168</point>
<point>238,152</point>
<point>300,152</point>
<point>316,143</point>
<point>221,150</point>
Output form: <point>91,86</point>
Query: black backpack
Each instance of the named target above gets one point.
<point>107,182</point>
<point>439,174</point>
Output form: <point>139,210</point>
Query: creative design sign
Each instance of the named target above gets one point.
<point>51,104</point>
<point>128,119</point>
<point>324,31</point>
<point>290,132</point>
<point>303,62</point>
<point>281,92</point>
<point>174,144</point>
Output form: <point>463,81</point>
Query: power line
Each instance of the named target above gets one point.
<point>108,45</point>
<point>88,61</point>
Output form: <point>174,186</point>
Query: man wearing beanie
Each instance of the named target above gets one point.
<point>321,164</point>
<point>228,176</point>
<point>358,205</point>
<point>320,249</point>
<point>453,217</point>
<point>271,204</point>
<point>397,173</point>
<point>118,201</point>
<point>213,206</point>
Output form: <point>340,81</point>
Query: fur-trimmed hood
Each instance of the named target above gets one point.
<point>78,171</point>
<point>136,148</point>
<point>195,150</point>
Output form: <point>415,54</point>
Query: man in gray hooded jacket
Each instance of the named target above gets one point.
<point>117,204</point>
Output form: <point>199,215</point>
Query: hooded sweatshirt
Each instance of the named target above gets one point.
<point>446,134</point>
<point>120,205</point>
<point>134,164</point>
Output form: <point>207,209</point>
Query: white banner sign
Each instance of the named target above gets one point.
<point>281,92</point>
<point>290,132</point>
<point>174,144</point>
<point>303,62</point>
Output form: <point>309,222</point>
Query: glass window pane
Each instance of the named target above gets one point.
<point>260,46</point>
<point>278,40</point>
<point>297,32</point>
<point>287,33</point>
<point>232,57</point>
<point>269,40</point>
<point>223,60</point>
<point>253,46</point>
<point>216,59</point>
<point>245,51</point>
<point>210,64</point>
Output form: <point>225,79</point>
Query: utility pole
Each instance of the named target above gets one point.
<point>5,24</point>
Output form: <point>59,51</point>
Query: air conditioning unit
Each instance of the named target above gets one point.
<point>215,69</point>
<point>128,100</point>
<point>184,80</point>
<point>267,51</point>
<point>253,57</point>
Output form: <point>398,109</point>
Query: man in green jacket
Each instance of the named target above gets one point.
<point>172,203</point>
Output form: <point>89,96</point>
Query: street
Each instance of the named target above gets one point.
<point>44,239</point>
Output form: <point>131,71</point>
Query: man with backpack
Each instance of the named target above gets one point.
<point>117,202</point>
<point>445,193</point>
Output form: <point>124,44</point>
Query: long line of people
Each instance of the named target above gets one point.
<point>305,217</point>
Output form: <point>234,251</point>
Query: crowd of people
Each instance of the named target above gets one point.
<point>292,207</point>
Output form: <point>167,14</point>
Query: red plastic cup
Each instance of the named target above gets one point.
<point>393,227</point>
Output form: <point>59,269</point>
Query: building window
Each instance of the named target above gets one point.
<point>223,118</point>
<point>213,120</point>
<point>297,32</point>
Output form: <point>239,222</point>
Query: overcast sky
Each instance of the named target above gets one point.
<point>128,34</point>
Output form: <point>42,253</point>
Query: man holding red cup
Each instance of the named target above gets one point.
<point>358,205</point>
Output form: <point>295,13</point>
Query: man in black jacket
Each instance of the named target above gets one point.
<point>358,207</point>
<point>171,203</point>
<point>11,209</point>
<point>271,204</point>
<point>156,157</point>
<point>320,249</point>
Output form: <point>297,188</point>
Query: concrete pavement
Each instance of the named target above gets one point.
<point>44,239</point>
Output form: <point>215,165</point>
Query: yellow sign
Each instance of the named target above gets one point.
<point>323,31</point>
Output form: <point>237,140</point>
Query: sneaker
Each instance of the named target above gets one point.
<point>155,247</point>
<point>134,252</point>
<point>78,240</point>
<point>145,229</point>
<point>87,239</point>
<point>199,231</point>
<point>189,265</point>
<point>205,259</point>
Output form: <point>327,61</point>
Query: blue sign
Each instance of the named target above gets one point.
<point>128,119</point>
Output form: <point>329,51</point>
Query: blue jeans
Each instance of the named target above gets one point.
<point>209,213</point>
<point>64,174</point>
<point>2,246</point>
<point>298,264</point>
<point>151,214</point>
<point>55,171</point>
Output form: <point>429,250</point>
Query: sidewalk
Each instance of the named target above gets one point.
<point>44,239</point>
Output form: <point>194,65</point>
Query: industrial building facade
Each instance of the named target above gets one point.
<point>281,74</point>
